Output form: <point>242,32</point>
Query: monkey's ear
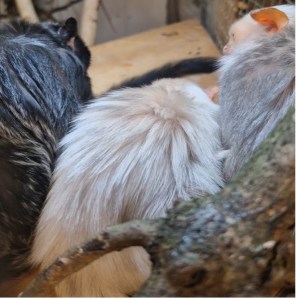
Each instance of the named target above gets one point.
<point>68,31</point>
<point>273,19</point>
<point>70,27</point>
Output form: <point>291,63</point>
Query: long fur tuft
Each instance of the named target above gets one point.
<point>131,155</point>
<point>257,88</point>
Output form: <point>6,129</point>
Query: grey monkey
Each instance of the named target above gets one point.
<point>257,88</point>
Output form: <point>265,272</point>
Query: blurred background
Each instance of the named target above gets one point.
<point>120,18</point>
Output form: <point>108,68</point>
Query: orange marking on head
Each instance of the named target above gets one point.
<point>274,19</point>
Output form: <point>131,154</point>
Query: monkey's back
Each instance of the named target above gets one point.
<point>131,155</point>
<point>38,97</point>
<point>265,67</point>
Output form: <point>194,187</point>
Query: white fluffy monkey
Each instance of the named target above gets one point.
<point>131,154</point>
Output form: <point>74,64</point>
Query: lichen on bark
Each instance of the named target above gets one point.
<point>239,242</point>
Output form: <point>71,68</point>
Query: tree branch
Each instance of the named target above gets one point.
<point>238,243</point>
<point>26,10</point>
<point>89,20</point>
<point>116,238</point>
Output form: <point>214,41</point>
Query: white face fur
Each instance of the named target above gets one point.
<point>239,31</point>
<point>247,28</point>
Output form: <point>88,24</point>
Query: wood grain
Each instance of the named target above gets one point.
<point>116,61</point>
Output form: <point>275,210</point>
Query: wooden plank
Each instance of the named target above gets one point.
<point>118,60</point>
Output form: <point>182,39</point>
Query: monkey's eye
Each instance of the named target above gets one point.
<point>233,36</point>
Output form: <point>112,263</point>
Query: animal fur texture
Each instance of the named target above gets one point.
<point>257,88</point>
<point>43,82</point>
<point>131,155</point>
<point>134,152</point>
<point>258,23</point>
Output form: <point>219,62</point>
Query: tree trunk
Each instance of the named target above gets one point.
<point>239,242</point>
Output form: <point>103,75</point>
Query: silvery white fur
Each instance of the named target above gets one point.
<point>131,154</point>
<point>257,88</point>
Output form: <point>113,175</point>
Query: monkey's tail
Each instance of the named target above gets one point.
<point>200,65</point>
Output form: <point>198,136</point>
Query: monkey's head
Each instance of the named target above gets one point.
<point>258,22</point>
<point>58,43</point>
<point>67,34</point>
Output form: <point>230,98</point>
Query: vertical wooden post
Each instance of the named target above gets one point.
<point>89,21</point>
<point>26,10</point>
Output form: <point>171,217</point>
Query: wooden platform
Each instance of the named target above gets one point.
<point>115,61</point>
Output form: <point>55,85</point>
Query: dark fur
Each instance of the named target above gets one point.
<point>173,70</point>
<point>43,82</point>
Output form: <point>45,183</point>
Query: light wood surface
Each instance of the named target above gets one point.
<point>118,60</point>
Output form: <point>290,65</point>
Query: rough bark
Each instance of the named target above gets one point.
<point>136,233</point>
<point>239,242</point>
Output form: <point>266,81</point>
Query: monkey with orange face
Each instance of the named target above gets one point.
<point>257,23</point>
<point>257,81</point>
<point>260,22</point>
